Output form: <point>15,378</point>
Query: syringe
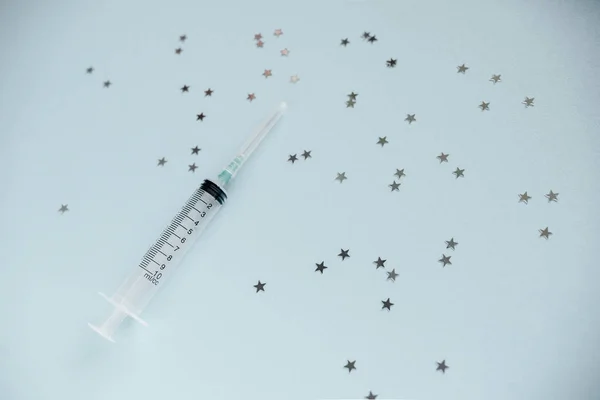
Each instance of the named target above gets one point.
<point>161,260</point>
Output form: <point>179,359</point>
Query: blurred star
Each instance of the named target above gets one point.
<point>352,96</point>
<point>344,254</point>
<point>392,275</point>
<point>445,260</point>
<point>200,117</point>
<point>285,52</point>
<point>382,141</point>
<point>442,366</point>
<point>257,36</point>
<point>89,70</point>
<point>292,158</point>
<point>161,162</point>
<point>443,157</point>
<point>410,118</point>
<point>380,263</point>
<point>306,154</point>
<point>387,304</point>
<point>552,197</point>
<point>278,32</point>
<point>182,38</point>
<point>391,63</point>
<point>208,92</point>
<point>400,173</point>
<point>366,35</point>
<point>195,150</point>
<point>528,101</point>
<point>484,106</point>
<point>267,73</point>
<point>395,186</point>
<point>459,172</point>
<point>350,365</point>
<point>320,267</point>
<point>545,233</point>
<point>341,177</point>
<point>495,79</point>
<point>260,286</point>
<point>185,88</point>
<point>350,103</point>
<point>192,167</point>
<point>294,78</point>
<point>107,84</point>
<point>251,97</point>
<point>524,198</point>
<point>372,39</point>
<point>260,44</point>
<point>63,208</point>
<point>345,42</point>
<point>462,69</point>
<point>451,244</point>
<point>178,50</point>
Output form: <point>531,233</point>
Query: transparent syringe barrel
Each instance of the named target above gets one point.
<point>162,259</point>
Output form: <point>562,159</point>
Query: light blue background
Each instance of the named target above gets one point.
<point>515,316</point>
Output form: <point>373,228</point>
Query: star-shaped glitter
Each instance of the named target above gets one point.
<point>345,42</point>
<point>63,208</point>
<point>528,101</point>
<point>524,198</point>
<point>200,117</point>
<point>392,275</point>
<point>350,365</point>
<point>161,162</point>
<point>391,63</point>
<point>462,69</point>
<point>344,254</point>
<point>260,44</point>
<point>182,38</point>
<point>441,366</point>
<point>495,79</point>
<point>350,104</point>
<point>306,154</point>
<point>459,172</point>
<point>107,84</point>
<point>267,73</point>
<point>178,50</point>
<point>89,70</point>
<point>250,97</point>
<point>366,35</point>
<point>400,173</point>
<point>294,78</point>
<point>320,267</point>
<point>341,177</point>
<point>292,158</point>
<point>278,32</point>
<point>484,106</point>
<point>394,186</point>
<point>195,150</point>
<point>380,263</point>
<point>443,157</point>
<point>185,88</point>
<point>552,197</point>
<point>451,244</point>
<point>387,304</point>
<point>382,141</point>
<point>285,52</point>
<point>260,286</point>
<point>410,118</point>
<point>352,96</point>
<point>208,92</point>
<point>257,36</point>
<point>192,167</point>
<point>445,260</point>
<point>545,233</point>
<point>371,396</point>
<point>372,39</point>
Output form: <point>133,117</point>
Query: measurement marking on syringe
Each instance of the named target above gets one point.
<point>145,270</point>
<point>154,261</point>
<point>191,219</point>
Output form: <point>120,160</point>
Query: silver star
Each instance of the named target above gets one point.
<point>392,275</point>
<point>292,158</point>
<point>161,162</point>
<point>341,177</point>
<point>395,186</point>
<point>484,106</point>
<point>306,154</point>
<point>495,79</point>
<point>350,103</point>
<point>400,173</point>
<point>552,197</point>
<point>443,157</point>
<point>410,118</point>
<point>192,167</point>
<point>382,141</point>
<point>63,208</point>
